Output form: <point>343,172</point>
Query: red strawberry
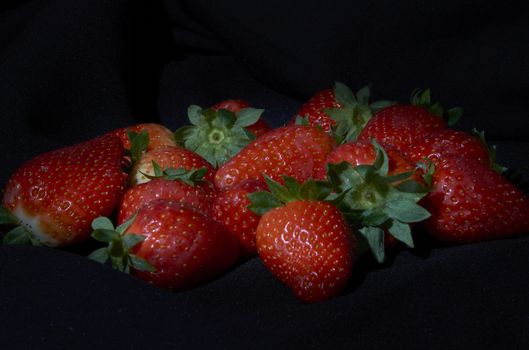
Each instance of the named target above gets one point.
<point>340,108</point>
<point>314,109</point>
<point>471,202</point>
<point>259,128</point>
<point>295,150</point>
<point>56,195</point>
<point>178,191</point>
<point>309,246</point>
<point>168,157</point>
<point>402,126</point>
<point>358,153</point>
<point>159,135</point>
<point>438,144</point>
<point>230,208</point>
<point>170,245</point>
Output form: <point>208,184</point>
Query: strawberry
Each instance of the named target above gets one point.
<point>159,135</point>
<point>293,150</point>
<point>259,128</point>
<point>381,204</point>
<point>168,244</point>
<point>402,126</point>
<point>56,195</point>
<point>217,135</point>
<point>168,157</point>
<point>186,191</point>
<point>340,109</point>
<point>230,208</point>
<point>358,153</point>
<point>304,241</point>
<point>471,202</point>
<point>439,144</point>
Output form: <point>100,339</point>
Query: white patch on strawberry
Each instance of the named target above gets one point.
<point>33,224</point>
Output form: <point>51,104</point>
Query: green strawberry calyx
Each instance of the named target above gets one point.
<point>118,246</point>
<point>263,201</point>
<point>191,177</point>
<point>15,232</point>
<point>422,98</point>
<point>138,145</point>
<point>217,135</point>
<point>354,111</point>
<point>480,135</point>
<point>372,201</point>
<point>375,202</point>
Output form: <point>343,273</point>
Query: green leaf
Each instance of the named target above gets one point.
<point>343,176</point>
<point>18,236</point>
<point>104,235</point>
<point>301,120</point>
<point>157,169</point>
<point>262,202</point>
<point>421,97</point>
<point>382,160</point>
<point>375,239</point>
<point>138,144</point>
<point>343,94</point>
<point>132,239</point>
<point>102,223</point>
<point>100,255</point>
<point>182,134</point>
<point>141,264</point>
<point>402,232</point>
<point>315,190</point>
<point>362,95</point>
<point>280,192</point>
<point>380,105</point>
<point>292,187</point>
<point>194,113</point>
<point>373,217</point>
<point>248,116</point>
<point>124,226</point>
<point>453,115</point>
<point>406,211</point>
<point>224,120</point>
<point>436,109</point>
<point>7,218</point>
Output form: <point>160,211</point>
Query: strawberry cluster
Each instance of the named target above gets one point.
<point>345,177</point>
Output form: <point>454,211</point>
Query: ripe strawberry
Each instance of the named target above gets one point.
<point>168,244</point>
<point>259,128</point>
<point>178,191</point>
<point>314,109</point>
<point>358,153</point>
<point>402,126</point>
<point>217,135</point>
<point>230,208</point>
<point>56,195</point>
<point>341,109</point>
<point>168,157</point>
<point>159,135</point>
<point>470,202</point>
<point>308,245</point>
<point>377,197</point>
<point>439,144</point>
<point>294,150</point>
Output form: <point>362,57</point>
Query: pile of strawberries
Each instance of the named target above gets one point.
<point>345,177</point>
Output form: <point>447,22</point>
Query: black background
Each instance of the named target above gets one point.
<point>72,69</point>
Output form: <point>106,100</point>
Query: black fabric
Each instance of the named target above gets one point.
<point>71,70</point>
